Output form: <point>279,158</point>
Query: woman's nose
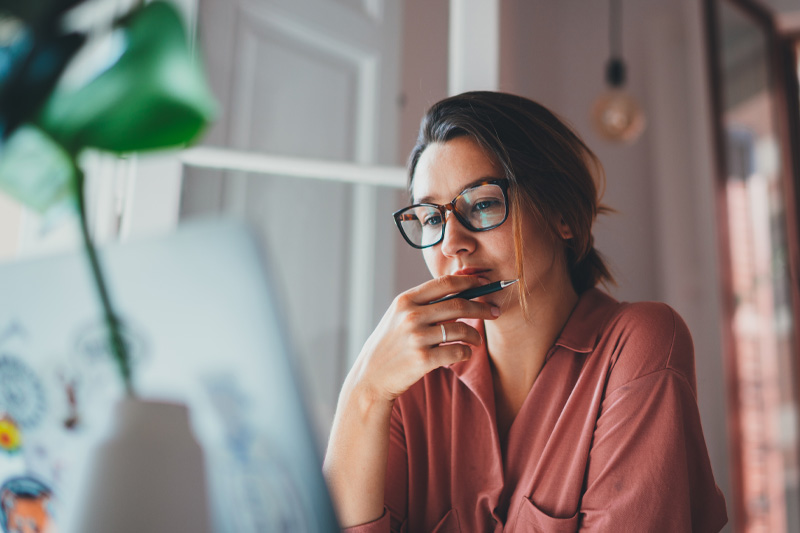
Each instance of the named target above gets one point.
<point>457,239</point>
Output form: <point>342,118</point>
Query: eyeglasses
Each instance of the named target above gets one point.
<point>482,207</point>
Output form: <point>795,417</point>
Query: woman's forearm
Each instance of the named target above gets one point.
<point>355,462</point>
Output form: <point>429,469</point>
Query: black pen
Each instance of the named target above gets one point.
<point>474,292</point>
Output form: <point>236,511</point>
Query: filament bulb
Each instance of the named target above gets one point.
<point>617,116</point>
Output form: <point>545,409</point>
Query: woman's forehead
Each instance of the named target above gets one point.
<point>445,169</point>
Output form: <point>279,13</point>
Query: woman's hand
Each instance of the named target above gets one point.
<point>406,345</point>
<point>408,342</point>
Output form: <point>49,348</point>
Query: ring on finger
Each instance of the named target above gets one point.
<point>444,333</point>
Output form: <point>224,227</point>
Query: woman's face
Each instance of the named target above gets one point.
<point>443,171</point>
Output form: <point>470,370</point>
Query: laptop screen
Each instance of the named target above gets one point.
<point>204,328</point>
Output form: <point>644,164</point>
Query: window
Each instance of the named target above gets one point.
<point>756,220</point>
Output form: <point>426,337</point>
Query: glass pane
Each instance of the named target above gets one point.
<point>762,321</point>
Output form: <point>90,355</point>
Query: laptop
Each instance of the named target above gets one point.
<point>204,328</point>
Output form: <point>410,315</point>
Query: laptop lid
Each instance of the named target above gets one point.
<point>204,327</point>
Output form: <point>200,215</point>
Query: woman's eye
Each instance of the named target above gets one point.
<point>483,205</point>
<point>433,220</point>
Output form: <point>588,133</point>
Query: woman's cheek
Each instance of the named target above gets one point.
<point>432,259</point>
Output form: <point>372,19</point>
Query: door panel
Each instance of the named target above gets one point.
<point>314,79</point>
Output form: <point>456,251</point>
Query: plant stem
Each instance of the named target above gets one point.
<point>118,347</point>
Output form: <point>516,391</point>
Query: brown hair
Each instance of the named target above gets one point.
<point>551,171</point>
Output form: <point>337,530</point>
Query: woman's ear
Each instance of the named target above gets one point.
<point>564,230</point>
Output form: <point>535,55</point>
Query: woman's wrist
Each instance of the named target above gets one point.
<point>364,401</point>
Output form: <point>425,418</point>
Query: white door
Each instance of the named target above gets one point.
<point>313,79</point>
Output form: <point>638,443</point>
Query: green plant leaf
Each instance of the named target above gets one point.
<point>154,96</point>
<point>36,171</point>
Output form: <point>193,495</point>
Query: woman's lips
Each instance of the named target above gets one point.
<point>481,273</point>
<point>470,271</point>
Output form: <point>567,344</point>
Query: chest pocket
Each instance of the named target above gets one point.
<point>448,524</point>
<point>531,518</point>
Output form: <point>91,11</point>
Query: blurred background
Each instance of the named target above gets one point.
<point>320,101</point>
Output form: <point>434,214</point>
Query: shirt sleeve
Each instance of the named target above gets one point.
<point>396,491</point>
<point>649,464</point>
<point>381,525</point>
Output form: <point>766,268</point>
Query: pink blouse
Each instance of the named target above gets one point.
<point>608,439</point>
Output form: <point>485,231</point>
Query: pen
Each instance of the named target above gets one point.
<point>474,292</point>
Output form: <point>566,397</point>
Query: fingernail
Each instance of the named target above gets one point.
<point>495,311</point>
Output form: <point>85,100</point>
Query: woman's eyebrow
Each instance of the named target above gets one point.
<point>429,199</point>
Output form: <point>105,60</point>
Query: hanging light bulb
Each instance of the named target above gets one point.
<point>615,114</point>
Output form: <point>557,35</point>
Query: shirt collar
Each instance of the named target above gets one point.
<point>582,330</point>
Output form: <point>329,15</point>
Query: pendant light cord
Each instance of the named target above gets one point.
<point>614,29</point>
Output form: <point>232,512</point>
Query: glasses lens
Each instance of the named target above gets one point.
<point>421,224</point>
<point>483,207</point>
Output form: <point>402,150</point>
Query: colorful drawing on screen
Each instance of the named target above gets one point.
<point>73,418</point>
<point>93,347</point>
<point>10,435</point>
<point>21,392</point>
<point>26,506</point>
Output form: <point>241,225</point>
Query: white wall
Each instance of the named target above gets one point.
<point>661,243</point>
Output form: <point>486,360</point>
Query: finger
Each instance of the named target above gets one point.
<point>454,332</point>
<point>443,286</point>
<point>447,354</point>
<point>460,308</point>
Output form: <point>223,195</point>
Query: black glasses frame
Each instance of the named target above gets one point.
<point>503,183</point>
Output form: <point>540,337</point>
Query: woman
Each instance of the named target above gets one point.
<point>547,406</point>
